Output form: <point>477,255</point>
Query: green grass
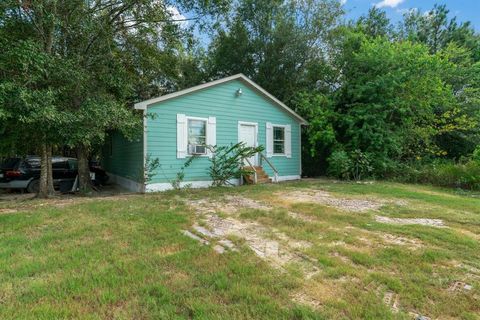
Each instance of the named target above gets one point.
<point>126,258</point>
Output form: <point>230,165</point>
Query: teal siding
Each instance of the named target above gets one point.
<point>122,157</point>
<point>221,102</point>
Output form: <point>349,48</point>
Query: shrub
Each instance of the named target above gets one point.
<point>227,162</point>
<point>476,154</point>
<point>180,176</point>
<point>354,165</point>
<point>444,174</point>
<point>149,169</point>
<point>339,165</point>
<point>361,164</point>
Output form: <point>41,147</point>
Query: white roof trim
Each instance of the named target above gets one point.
<point>144,104</point>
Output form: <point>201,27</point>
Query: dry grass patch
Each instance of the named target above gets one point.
<point>271,245</point>
<point>323,292</point>
<point>168,250</point>
<point>325,198</point>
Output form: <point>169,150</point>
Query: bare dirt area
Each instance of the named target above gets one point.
<point>15,196</point>
<point>409,221</point>
<point>16,201</point>
<point>401,241</point>
<point>470,271</point>
<point>389,298</point>
<point>233,204</point>
<point>276,248</point>
<point>269,244</point>
<point>229,205</point>
<point>382,239</point>
<point>218,222</point>
<point>7,211</point>
<point>325,198</point>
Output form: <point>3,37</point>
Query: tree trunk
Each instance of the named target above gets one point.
<point>85,183</point>
<point>46,177</point>
<point>50,188</point>
<point>43,190</point>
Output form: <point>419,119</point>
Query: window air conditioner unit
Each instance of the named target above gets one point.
<point>197,149</point>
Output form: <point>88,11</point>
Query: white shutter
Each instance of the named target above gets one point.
<point>269,136</point>
<point>182,136</point>
<point>288,141</point>
<point>211,133</point>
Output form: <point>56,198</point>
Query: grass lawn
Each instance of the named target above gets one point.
<point>325,254</point>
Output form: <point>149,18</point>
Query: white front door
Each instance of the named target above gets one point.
<point>247,133</point>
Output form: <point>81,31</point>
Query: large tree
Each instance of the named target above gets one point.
<point>102,55</point>
<point>30,112</point>
<point>393,102</point>
<point>399,94</point>
<point>375,24</point>
<point>390,98</point>
<point>437,30</point>
<point>275,43</point>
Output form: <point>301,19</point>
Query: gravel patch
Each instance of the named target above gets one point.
<point>195,237</point>
<point>219,249</point>
<point>459,286</point>
<point>269,244</point>
<point>229,204</point>
<point>233,204</point>
<point>325,198</point>
<point>7,211</point>
<point>401,241</point>
<point>411,221</point>
<point>389,298</point>
<point>471,272</point>
<point>278,253</point>
<point>305,299</point>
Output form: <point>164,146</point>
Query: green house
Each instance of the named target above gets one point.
<point>221,112</point>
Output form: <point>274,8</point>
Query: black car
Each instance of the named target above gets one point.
<point>24,173</point>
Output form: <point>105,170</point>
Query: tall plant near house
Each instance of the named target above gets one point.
<point>149,169</point>
<point>227,162</point>
<point>180,176</point>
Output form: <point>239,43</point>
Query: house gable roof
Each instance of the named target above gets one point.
<point>144,104</point>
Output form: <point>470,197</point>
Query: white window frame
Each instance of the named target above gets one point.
<point>187,119</point>
<point>284,127</point>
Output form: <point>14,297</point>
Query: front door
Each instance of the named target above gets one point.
<point>247,133</point>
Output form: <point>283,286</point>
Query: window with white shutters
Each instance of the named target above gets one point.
<point>195,135</point>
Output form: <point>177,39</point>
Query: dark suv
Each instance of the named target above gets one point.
<point>18,173</point>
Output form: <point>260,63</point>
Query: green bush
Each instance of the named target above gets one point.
<point>476,155</point>
<point>227,162</point>
<point>355,165</point>
<point>444,174</point>
<point>339,165</point>
<point>362,165</point>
